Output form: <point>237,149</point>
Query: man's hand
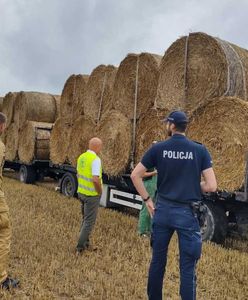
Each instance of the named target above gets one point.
<point>150,207</point>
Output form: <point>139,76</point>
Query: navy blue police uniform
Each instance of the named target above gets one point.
<point>179,163</point>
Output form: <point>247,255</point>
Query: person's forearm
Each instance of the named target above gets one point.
<point>98,186</point>
<point>149,174</point>
<point>139,185</point>
<point>206,188</point>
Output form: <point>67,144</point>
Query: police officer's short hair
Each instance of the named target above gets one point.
<point>181,127</point>
<point>3,118</point>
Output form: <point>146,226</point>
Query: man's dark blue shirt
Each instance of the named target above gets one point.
<point>179,162</point>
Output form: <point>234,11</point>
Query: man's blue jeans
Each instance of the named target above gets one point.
<point>170,217</point>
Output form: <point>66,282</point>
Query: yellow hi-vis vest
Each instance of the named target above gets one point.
<point>84,174</point>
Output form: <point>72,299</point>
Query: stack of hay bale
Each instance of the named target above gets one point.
<point>30,116</point>
<point>208,78</point>
<point>121,128</point>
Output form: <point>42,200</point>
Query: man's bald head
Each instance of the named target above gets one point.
<point>95,144</point>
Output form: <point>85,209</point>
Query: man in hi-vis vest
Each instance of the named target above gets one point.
<point>89,174</point>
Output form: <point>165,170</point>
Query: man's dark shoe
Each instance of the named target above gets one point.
<point>9,283</point>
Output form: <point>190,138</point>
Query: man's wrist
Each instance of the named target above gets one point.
<point>146,199</point>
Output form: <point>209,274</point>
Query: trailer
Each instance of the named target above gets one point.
<point>225,211</point>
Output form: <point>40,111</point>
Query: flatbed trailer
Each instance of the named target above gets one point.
<point>224,210</point>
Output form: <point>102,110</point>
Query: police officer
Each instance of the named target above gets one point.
<point>180,163</point>
<point>89,173</point>
<point>6,282</point>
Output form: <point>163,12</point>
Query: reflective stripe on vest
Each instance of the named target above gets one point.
<point>84,174</point>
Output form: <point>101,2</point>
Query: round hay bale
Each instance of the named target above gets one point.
<point>8,107</point>
<point>125,84</point>
<point>57,101</point>
<point>200,67</point>
<point>1,103</point>
<point>59,141</point>
<point>221,125</point>
<point>34,106</point>
<point>72,98</point>
<point>115,131</point>
<point>11,142</point>
<point>82,131</point>
<point>34,139</point>
<point>98,94</point>
<point>150,128</point>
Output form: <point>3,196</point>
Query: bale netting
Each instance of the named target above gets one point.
<point>72,98</point>
<point>99,90</point>
<point>221,125</point>
<point>200,67</point>
<point>34,106</point>
<point>82,131</point>
<point>115,131</point>
<point>60,140</point>
<point>136,79</point>
<point>150,128</point>
<point>34,140</point>
<point>11,142</point>
<point>8,107</point>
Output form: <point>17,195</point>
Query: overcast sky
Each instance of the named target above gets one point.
<point>42,42</point>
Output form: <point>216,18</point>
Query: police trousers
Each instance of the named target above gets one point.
<point>168,218</point>
<point>5,236</point>
<point>89,208</point>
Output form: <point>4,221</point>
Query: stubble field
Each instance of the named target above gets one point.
<point>45,231</point>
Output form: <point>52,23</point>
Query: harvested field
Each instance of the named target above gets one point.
<point>34,106</point>
<point>82,131</point>
<point>221,125</point>
<point>201,67</point>
<point>150,128</point>
<point>45,230</point>
<point>59,141</point>
<point>8,107</point>
<point>98,94</point>
<point>114,130</point>
<point>137,75</point>
<point>34,140</point>
<point>72,97</point>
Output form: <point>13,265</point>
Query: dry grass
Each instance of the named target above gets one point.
<point>45,230</point>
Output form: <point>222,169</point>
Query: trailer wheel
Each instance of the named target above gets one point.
<point>214,227</point>
<point>68,185</point>
<point>27,174</point>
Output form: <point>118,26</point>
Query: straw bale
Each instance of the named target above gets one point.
<point>82,131</point>
<point>59,141</point>
<point>72,98</point>
<point>99,88</point>
<point>34,106</point>
<point>57,102</point>
<point>214,69</point>
<point>34,139</point>
<point>150,128</point>
<point>115,131</point>
<point>1,103</point>
<point>11,142</point>
<point>125,82</point>
<point>221,125</point>
<point>8,107</point>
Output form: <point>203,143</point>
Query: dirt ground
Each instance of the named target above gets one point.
<point>45,231</point>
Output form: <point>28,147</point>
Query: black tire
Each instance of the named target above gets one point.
<point>68,185</point>
<point>215,223</point>
<point>27,174</point>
